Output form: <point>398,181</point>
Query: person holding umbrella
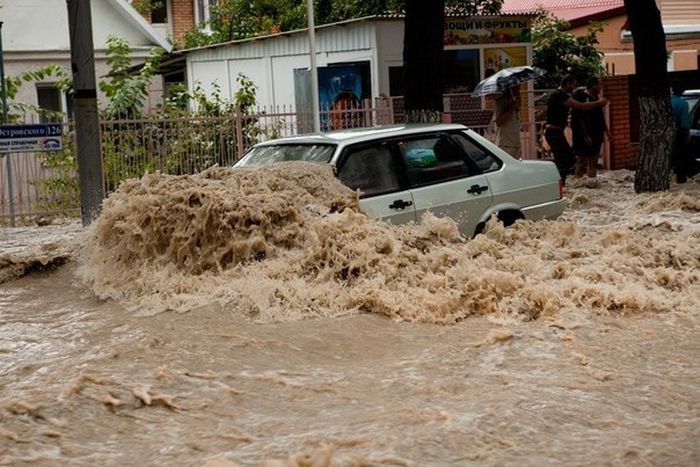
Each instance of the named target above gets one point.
<point>558,105</point>
<point>504,84</point>
<point>505,116</point>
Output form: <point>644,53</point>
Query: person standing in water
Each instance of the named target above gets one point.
<point>681,119</point>
<point>588,129</point>
<point>558,105</point>
<point>505,116</point>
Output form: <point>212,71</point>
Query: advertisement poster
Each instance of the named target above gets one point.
<point>496,30</point>
<point>496,59</point>
<point>340,96</point>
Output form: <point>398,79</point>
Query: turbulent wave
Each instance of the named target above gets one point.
<point>290,242</point>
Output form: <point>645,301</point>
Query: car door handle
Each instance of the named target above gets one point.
<point>400,204</point>
<point>476,189</point>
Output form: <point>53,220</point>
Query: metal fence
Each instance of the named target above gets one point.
<point>45,184</point>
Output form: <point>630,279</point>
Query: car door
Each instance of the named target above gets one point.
<point>378,172</point>
<point>445,181</point>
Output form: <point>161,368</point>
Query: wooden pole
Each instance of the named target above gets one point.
<point>8,157</point>
<point>87,123</point>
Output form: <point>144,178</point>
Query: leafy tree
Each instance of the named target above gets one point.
<point>239,19</point>
<point>146,6</point>
<point>558,51</point>
<point>125,90</point>
<point>657,130</point>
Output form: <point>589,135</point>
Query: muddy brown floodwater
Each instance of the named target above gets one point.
<point>258,318</point>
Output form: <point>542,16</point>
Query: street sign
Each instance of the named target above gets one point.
<point>30,138</point>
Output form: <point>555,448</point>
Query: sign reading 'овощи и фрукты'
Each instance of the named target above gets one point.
<point>31,138</point>
<point>487,30</point>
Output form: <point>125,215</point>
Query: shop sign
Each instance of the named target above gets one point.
<point>487,30</point>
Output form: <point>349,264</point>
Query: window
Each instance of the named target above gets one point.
<point>52,101</point>
<point>433,160</point>
<point>204,10</point>
<point>372,170</point>
<point>484,160</point>
<point>266,155</point>
<point>461,70</point>
<point>159,12</point>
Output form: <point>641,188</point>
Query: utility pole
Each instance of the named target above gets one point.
<point>87,123</point>
<point>314,70</point>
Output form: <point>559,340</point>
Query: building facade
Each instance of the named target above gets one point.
<point>35,34</point>
<point>680,18</point>
<point>173,18</point>
<point>475,47</point>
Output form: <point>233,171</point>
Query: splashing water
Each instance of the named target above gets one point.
<point>580,346</point>
<point>290,242</point>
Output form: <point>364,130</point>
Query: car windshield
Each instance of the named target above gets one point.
<point>266,155</point>
<point>692,100</point>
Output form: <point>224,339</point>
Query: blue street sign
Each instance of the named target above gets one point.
<point>31,138</point>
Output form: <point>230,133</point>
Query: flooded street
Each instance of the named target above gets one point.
<point>321,338</point>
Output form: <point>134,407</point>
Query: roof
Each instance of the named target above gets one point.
<point>574,11</point>
<point>282,34</point>
<point>357,135</point>
<point>385,17</point>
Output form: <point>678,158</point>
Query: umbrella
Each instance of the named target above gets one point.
<point>507,78</point>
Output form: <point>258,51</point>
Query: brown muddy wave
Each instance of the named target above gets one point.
<point>290,242</point>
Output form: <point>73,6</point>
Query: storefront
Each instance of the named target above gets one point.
<point>370,48</point>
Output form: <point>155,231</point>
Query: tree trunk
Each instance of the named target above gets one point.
<point>657,134</point>
<point>422,59</point>
<point>657,130</point>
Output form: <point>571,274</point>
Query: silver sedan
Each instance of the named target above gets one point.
<point>403,171</point>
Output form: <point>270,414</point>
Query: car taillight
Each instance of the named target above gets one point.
<point>561,189</point>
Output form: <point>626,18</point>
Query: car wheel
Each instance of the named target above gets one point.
<point>510,217</point>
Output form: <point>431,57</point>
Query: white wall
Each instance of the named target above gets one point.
<point>270,62</point>
<point>42,25</point>
<point>390,50</point>
<point>35,34</point>
<point>256,70</point>
<point>209,74</point>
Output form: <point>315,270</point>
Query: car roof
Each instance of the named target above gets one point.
<point>691,92</point>
<point>358,135</point>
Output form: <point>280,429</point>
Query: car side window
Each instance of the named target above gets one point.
<point>432,160</point>
<point>371,169</point>
<point>483,159</point>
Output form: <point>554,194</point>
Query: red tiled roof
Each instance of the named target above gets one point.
<point>569,10</point>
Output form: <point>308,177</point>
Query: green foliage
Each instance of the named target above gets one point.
<point>60,192</point>
<point>127,91</point>
<point>49,73</point>
<point>239,19</point>
<point>558,51</point>
<point>146,6</point>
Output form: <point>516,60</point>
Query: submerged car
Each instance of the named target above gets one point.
<point>404,171</point>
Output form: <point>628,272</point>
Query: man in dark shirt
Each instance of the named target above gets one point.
<point>588,129</point>
<point>681,117</point>
<point>558,105</point>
